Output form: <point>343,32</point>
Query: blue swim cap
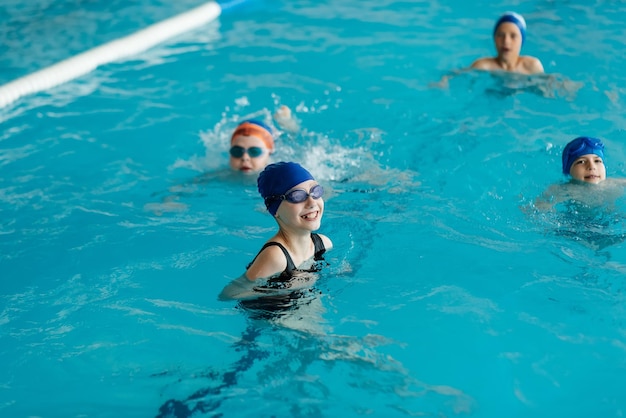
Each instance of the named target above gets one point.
<point>259,123</point>
<point>581,146</point>
<point>252,127</point>
<point>277,179</point>
<point>513,18</point>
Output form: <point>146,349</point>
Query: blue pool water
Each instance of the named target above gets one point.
<point>446,294</point>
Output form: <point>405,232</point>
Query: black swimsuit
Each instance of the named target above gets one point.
<point>291,267</point>
<point>273,304</point>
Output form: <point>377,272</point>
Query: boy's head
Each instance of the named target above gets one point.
<point>583,159</point>
<point>251,144</point>
<point>516,19</point>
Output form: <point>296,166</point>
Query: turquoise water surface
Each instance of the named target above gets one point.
<point>447,293</point>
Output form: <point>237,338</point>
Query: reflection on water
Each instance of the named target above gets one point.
<point>280,359</point>
<point>503,84</point>
<point>594,227</point>
<point>552,86</point>
<point>598,224</point>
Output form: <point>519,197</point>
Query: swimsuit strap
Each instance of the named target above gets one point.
<point>319,247</point>
<point>290,265</point>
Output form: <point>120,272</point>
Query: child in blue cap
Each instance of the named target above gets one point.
<point>509,34</point>
<point>583,163</point>
<point>295,200</point>
<point>583,160</point>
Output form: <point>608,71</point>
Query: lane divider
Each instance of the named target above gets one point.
<point>88,61</point>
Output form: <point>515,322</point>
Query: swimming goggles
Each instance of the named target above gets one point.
<point>237,152</point>
<point>585,142</point>
<point>300,195</point>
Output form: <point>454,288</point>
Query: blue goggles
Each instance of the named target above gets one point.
<point>586,142</point>
<point>299,195</point>
<point>238,152</point>
<point>578,147</point>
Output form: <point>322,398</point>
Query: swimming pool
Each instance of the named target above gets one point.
<point>445,294</point>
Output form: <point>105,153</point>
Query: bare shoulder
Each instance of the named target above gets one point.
<point>554,189</point>
<point>554,194</point>
<point>616,181</point>
<point>269,262</point>
<point>486,63</point>
<point>532,65</point>
<point>328,244</point>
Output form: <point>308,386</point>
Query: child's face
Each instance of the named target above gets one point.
<point>246,163</point>
<point>588,168</point>
<point>305,215</point>
<point>508,40</point>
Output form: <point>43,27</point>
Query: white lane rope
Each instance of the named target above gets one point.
<point>116,50</point>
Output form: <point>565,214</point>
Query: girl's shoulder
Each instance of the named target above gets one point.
<point>269,261</point>
<point>328,244</point>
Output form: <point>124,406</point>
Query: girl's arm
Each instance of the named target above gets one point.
<point>268,263</point>
<point>240,288</point>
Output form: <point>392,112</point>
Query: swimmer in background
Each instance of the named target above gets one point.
<point>509,34</point>
<point>251,146</point>
<point>583,162</point>
<point>252,142</point>
<point>295,200</point>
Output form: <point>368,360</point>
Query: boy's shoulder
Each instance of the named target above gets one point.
<point>485,63</point>
<point>616,181</point>
<point>531,64</point>
<point>555,194</point>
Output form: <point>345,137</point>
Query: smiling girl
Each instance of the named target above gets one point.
<point>294,199</point>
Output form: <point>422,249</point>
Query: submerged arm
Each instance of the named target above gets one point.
<point>553,195</point>
<point>268,263</point>
<point>240,288</point>
<point>444,82</point>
